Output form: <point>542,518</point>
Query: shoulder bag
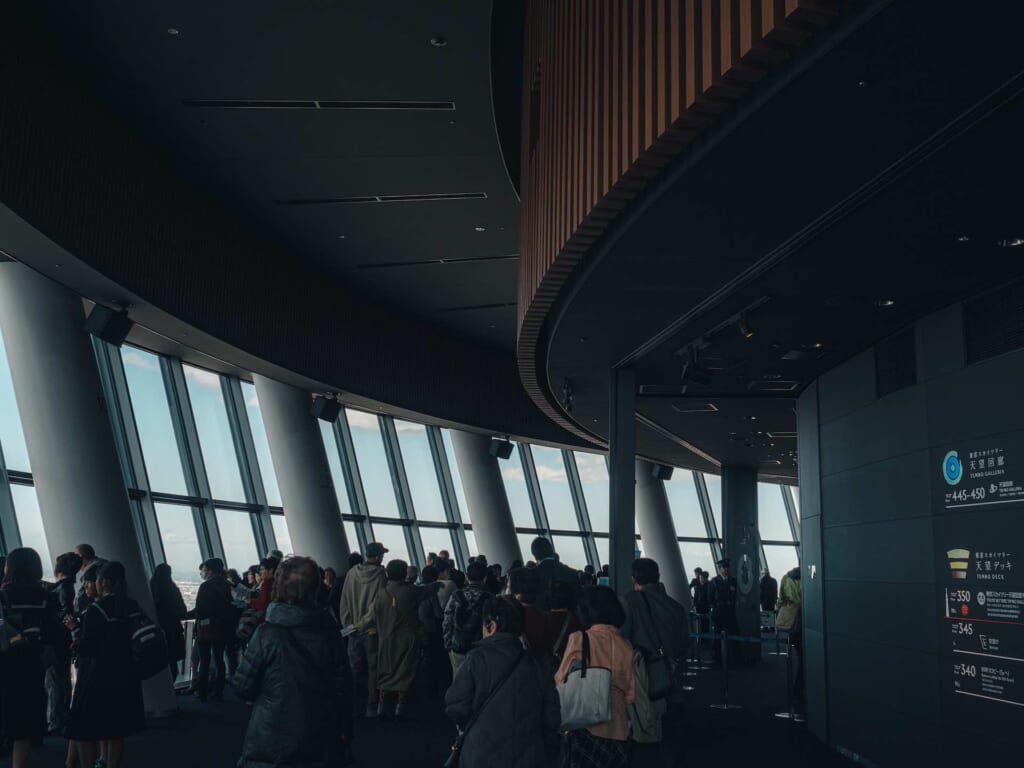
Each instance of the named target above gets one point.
<point>586,693</point>
<point>453,758</point>
<point>788,617</point>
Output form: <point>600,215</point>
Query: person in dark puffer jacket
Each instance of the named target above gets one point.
<point>296,673</point>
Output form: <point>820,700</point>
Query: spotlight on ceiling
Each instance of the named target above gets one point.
<point>964,239</point>
<point>480,229</point>
<point>884,302</point>
<point>1011,242</point>
<point>744,328</point>
<point>172,31</point>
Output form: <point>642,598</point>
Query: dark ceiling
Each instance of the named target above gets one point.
<point>831,216</point>
<point>336,128</point>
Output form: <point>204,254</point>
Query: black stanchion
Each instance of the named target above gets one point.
<point>791,714</point>
<point>725,677</point>
<point>777,652</point>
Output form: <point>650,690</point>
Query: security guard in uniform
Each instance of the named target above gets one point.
<point>722,596</point>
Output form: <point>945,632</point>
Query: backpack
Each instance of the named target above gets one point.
<point>20,625</point>
<point>469,619</point>
<point>149,645</point>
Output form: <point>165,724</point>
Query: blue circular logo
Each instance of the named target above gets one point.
<point>952,469</point>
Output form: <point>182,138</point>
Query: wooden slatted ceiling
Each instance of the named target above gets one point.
<point>624,85</point>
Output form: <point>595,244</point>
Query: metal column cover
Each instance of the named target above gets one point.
<point>489,512</point>
<point>82,496</point>
<point>658,533</point>
<point>303,475</point>
<point>743,548</point>
<point>621,476</point>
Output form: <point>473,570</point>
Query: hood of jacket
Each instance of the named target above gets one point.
<point>287,615</point>
<point>365,573</point>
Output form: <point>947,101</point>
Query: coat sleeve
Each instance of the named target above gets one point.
<point>249,676</point>
<point>458,701</point>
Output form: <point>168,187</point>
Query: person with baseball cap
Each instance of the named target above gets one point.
<point>358,597</point>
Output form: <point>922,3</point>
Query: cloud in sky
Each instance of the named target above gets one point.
<point>513,473</point>
<point>202,378</point>
<point>362,420</point>
<point>252,401</point>
<point>140,360</point>
<point>552,474</point>
<point>592,468</point>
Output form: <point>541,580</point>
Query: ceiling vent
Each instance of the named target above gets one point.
<point>475,307</point>
<point>447,106</point>
<point>696,408</point>
<point>895,363</point>
<point>428,198</point>
<point>428,262</point>
<point>662,390</point>
<point>781,435</point>
<point>803,353</point>
<point>994,322</point>
<point>779,385</point>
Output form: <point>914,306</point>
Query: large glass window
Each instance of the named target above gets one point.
<point>772,520</point>
<point>697,554</point>
<point>685,505</point>
<point>237,538</point>
<point>571,551</point>
<point>714,484</point>
<point>603,545</point>
<point>796,499</point>
<point>594,479</point>
<point>211,417</point>
<point>334,462</point>
<point>420,471</point>
<point>525,541</point>
<point>781,558</point>
<point>351,536</point>
<point>12,437</point>
<point>474,549</point>
<point>181,548</point>
<point>393,539</point>
<point>153,421</point>
<point>515,488</point>
<point>554,485</point>
<point>284,539</point>
<point>30,524</point>
<point>259,439</point>
<point>436,539</point>
<point>456,476</point>
<point>373,463</point>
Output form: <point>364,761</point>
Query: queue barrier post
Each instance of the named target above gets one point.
<point>791,714</point>
<point>724,640</point>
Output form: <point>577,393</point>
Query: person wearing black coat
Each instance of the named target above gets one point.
<point>30,618</point>
<point>107,704</point>
<point>551,571</point>
<point>213,614</point>
<point>170,613</point>
<point>295,671</point>
<point>517,727</point>
<point>58,677</point>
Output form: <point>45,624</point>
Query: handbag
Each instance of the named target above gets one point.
<point>788,617</point>
<point>586,693</point>
<point>453,756</point>
<point>663,673</point>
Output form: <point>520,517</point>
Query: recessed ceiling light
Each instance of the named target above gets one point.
<point>491,325</point>
<point>583,339</point>
<point>438,42</point>
<point>451,122</point>
<point>884,302</point>
<point>1011,242</point>
<point>480,229</point>
<point>964,239</point>
<point>172,31</point>
<point>863,83</point>
<point>816,345</point>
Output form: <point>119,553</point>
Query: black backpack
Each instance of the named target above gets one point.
<point>469,618</point>
<point>20,625</point>
<point>149,645</point>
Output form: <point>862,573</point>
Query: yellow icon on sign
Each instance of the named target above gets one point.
<point>959,561</point>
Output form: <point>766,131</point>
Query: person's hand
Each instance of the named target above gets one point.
<point>70,622</point>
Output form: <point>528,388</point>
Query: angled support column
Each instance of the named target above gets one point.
<point>303,475</point>
<point>489,512</point>
<point>658,532</point>
<point>622,476</point>
<point>82,496</point>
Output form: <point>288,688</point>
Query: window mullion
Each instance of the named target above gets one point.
<point>540,514</point>
<point>709,517</point>
<point>400,483</point>
<point>580,503</point>
<point>248,464</point>
<point>353,480</point>
<point>448,495</point>
<point>793,516</point>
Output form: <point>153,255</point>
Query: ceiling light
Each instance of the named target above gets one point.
<point>172,31</point>
<point>816,345</point>
<point>480,229</point>
<point>863,83</point>
<point>884,302</point>
<point>341,237</point>
<point>963,239</point>
<point>438,42</point>
<point>745,330</point>
<point>1011,242</point>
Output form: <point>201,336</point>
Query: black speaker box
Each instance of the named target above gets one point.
<point>661,472</point>
<point>501,448</point>
<point>325,408</point>
<point>108,324</point>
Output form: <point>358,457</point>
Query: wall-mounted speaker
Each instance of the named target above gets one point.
<point>661,472</point>
<point>500,448</point>
<point>325,408</point>
<point>108,324</point>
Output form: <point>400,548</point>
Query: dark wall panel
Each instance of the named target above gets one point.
<point>887,612</point>
<point>879,491</point>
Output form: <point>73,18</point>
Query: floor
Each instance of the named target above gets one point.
<point>209,735</point>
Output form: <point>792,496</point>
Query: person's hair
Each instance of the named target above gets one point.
<point>161,578</point>
<point>23,566</point>
<point>86,551</point>
<point>524,582</point>
<point>506,613</point>
<point>600,605</point>
<point>92,572</point>
<point>397,570</point>
<point>331,571</point>
<point>431,556</point>
<point>429,574</point>
<point>517,563</point>
<point>215,565</point>
<point>481,559</point>
<point>356,558</point>
<point>541,548</point>
<point>67,564</point>
<point>270,563</point>
<point>113,573</point>
<point>296,581</point>
<point>277,554</point>
<point>495,568</point>
<point>588,569</point>
<point>442,564</point>
<point>476,571</point>
<point>232,576</point>
<point>564,595</point>
<point>645,571</point>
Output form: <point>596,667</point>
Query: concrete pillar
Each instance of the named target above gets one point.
<point>489,512</point>
<point>82,495</point>
<point>303,475</point>
<point>621,477</point>
<point>743,548</point>
<point>658,533</point>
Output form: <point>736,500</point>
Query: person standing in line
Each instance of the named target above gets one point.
<point>722,599</point>
<point>702,607</point>
<point>448,585</point>
<point>107,704</point>
<point>30,618</point>
<point>550,571</point>
<point>769,593</point>
<point>789,594</point>
<point>89,559</point>
<point>58,677</point>
<point>505,697</point>
<point>170,613</point>
<point>463,616</point>
<point>655,621</point>
<point>213,614</point>
<point>295,671</point>
<point>358,598</point>
<point>262,599</point>
<point>604,745</point>
<point>436,673</point>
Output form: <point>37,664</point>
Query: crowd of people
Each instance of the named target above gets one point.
<point>504,654</point>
